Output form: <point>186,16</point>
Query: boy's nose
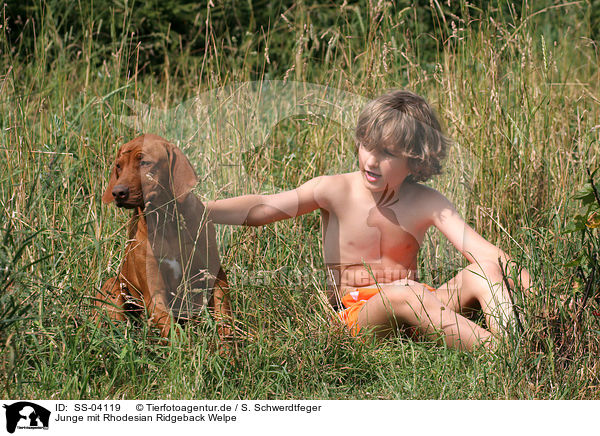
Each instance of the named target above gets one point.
<point>372,159</point>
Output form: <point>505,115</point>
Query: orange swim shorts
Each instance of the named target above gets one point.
<point>354,300</point>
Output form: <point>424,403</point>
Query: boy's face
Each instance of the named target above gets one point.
<point>382,166</point>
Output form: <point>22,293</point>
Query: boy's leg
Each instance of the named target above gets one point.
<point>416,306</point>
<point>480,285</point>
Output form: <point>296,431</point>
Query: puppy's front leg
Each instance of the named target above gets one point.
<point>162,320</point>
<point>222,307</point>
<point>111,300</point>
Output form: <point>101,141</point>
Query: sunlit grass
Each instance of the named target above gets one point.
<point>518,96</point>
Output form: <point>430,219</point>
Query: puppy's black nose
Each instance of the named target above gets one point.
<point>120,192</point>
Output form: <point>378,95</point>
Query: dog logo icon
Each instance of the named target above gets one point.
<point>26,415</point>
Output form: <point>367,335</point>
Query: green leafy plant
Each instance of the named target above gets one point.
<point>586,224</point>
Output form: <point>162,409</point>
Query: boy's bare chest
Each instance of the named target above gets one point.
<point>376,234</point>
<point>383,229</point>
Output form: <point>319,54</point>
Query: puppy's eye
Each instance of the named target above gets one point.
<point>118,166</point>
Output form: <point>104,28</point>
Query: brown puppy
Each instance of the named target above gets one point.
<point>171,265</point>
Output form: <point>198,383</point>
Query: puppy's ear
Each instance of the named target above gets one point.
<point>108,197</point>
<point>183,177</point>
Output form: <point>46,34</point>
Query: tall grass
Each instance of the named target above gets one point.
<point>518,92</point>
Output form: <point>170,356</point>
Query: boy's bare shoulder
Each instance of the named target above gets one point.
<point>427,193</point>
<point>428,200</point>
<point>328,189</point>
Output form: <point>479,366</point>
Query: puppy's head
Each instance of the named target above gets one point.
<point>149,169</point>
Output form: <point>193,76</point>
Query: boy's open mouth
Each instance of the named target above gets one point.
<point>371,177</point>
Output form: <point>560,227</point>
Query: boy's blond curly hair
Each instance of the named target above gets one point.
<point>404,121</point>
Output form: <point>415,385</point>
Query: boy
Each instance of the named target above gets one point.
<point>374,221</point>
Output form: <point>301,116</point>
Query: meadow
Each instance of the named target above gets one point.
<point>517,88</point>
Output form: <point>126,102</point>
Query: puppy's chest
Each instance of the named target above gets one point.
<point>171,270</point>
<point>170,238</point>
<point>174,250</point>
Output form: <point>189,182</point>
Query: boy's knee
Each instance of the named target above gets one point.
<point>487,271</point>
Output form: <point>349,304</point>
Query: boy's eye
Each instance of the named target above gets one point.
<point>144,163</point>
<point>388,152</point>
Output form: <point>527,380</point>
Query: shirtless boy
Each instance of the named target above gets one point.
<point>374,221</point>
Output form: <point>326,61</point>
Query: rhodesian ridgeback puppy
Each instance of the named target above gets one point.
<point>171,268</point>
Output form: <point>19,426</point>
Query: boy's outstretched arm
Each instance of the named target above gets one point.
<point>257,210</point>
<point>470,243</point>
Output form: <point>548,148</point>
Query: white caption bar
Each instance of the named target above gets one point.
<point>158,417</point>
